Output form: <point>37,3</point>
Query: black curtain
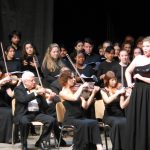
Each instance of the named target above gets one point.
<point>33,18</point>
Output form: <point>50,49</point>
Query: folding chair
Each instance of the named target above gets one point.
<point>35,123</point>
<point>99,113</point>
<point>60,111</point>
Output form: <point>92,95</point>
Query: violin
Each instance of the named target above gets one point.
<point>13,78</point>
<point>86,90</point>
<point>48,93</point>
<point>127,90</point>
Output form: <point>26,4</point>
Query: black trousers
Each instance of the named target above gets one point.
<point>25,121</point>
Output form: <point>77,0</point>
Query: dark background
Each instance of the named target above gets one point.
<point>65,21</point>
<point>100,20</point>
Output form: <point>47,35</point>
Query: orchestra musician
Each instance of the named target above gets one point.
<point>87,134</point>
<point>12,63</point>
<point>113,95</point>
<point>31,106</point>
<point>6,96</point>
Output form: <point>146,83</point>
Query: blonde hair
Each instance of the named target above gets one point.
<point>146,39</point>
<point>49,62</point>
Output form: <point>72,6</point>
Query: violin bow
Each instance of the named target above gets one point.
<point>35,63</point>
<point>75,68</point>
<point>4,58</point>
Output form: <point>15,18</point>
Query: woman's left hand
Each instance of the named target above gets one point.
<point>137,76</point>
<point>96,89</point>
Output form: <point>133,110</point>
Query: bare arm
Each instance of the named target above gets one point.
<point>86,104</point>
<point>128,73</point>
<point>108,99</point>
<point>65,94</point>
<point>124,101</point>
<point>145,79</point>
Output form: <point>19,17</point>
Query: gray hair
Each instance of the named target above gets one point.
<point>26,75</point>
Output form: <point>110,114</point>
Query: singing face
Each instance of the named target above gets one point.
<point>110,55</point>
<point>10,54</point>
<point>55,53</point>
<point>137,51</point>
<point>29,49</point>
<point>80,59</point>
<point>127,47</point>
<point>146,48</point>
<point>15,39</point>
<point>79,46</point>
<point>88,48</point>
<point>123,56</point>
<point>63,52</point>
<point>117,50</point>
<point>101,52</point>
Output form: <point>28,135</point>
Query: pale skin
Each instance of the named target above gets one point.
<point>124,100</point>
<point>31,86</point>
<point>29,51</point>
<point>67,94</point>
<point>4,81</point>
<point>140,60</point>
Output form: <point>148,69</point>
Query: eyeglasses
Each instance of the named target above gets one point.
<point>31,80</point>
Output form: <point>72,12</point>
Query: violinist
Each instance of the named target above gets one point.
<point>9,63</point>
<point>87,134</point>
<point>32,106</point>
<point>15,40</point>
<point>88,73</point>
<point>113,95</point>
<point>6,96</point>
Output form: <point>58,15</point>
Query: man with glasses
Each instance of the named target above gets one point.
<point>31,106</point>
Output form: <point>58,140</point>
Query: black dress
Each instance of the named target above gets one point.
<point>138,114</point>
<point>114,116</point>
<point>117,70</point>
<point>87,133</point>
<point>5,117</point>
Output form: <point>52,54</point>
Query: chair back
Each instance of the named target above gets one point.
<point>99,109</point>
<point>60,111</point>
<point>13,102</point>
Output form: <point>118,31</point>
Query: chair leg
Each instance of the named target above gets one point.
<point>41,128</point>
<point>13,130</point>
<point>105,134</point>
<point>60,137</point>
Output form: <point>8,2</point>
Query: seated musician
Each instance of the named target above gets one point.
<point>6,96</point>
<point>87,134</point>
<point>115,101</point>
<point>31,106</point>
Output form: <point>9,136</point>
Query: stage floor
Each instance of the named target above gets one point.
<point>33,139</point>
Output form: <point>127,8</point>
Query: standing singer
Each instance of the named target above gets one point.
<point>138,114</point>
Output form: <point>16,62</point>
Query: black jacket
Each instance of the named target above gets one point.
<point>22,99</point>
